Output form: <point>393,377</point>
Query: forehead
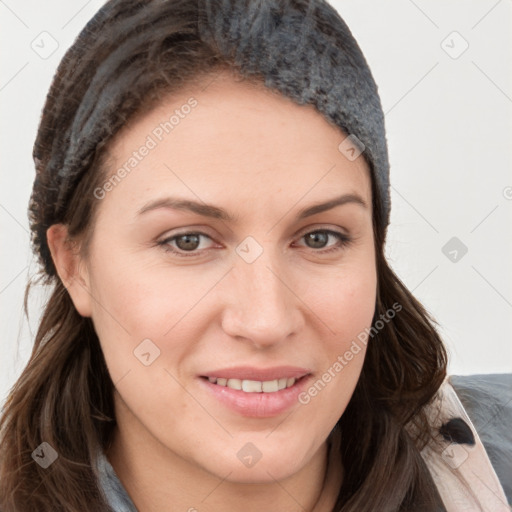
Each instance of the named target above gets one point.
<point>225,137</point>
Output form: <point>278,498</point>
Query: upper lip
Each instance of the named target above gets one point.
<point>261,374</point>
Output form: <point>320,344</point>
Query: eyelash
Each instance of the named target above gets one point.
<point>343,239</point>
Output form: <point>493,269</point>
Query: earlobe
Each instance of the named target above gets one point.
<point>70,268</point>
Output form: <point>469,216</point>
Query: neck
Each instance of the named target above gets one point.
<point>154,476</point>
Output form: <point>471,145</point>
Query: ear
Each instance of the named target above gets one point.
<point>70,268</point>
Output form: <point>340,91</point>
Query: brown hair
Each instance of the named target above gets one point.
<point>133,53</point>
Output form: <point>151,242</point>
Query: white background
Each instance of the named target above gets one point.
<point>449,127</point>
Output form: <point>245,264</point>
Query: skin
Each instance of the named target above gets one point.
<point>263,158</point>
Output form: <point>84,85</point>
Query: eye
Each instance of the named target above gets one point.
<point>185,242</point>
<point>320,237</point>
<point>190,242</point>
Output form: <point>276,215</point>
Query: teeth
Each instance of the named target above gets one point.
<point>254,386</point>
<point>234,384</point>
<point>270,386</point>
<point>251,386</point>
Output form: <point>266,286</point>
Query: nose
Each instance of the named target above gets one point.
<point>262,307</point>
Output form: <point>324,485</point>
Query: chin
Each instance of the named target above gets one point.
<point>261,473</point>
<point>252,465</point>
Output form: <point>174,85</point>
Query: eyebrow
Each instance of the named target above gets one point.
<point>209,210</point>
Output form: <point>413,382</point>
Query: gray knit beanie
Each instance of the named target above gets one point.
<point>305,50</point>
<point>301,48</point>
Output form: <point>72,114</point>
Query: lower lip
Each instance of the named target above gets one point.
<point>257,405</point>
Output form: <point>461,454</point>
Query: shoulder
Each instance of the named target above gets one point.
<point>487,400</point>
<point>458,460</point>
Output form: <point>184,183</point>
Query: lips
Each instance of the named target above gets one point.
<point>258,374</point>
<point>256,392</point>
<point>254,386</point>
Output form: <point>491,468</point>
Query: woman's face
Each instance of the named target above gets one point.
<point>209,259</point>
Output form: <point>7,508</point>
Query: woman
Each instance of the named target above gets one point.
<point>210,207</point>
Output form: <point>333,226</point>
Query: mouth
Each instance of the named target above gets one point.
<point>257,393</point>
<point>255,386</point>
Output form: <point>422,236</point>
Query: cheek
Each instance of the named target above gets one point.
<point>329,393</point>
<point>347,304</point>
<point>143,299</point>
<point>134,303</point>
<point>144,332</point>
<point>347,308</point>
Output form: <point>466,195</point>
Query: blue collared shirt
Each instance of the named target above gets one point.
<point>116,494</point>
